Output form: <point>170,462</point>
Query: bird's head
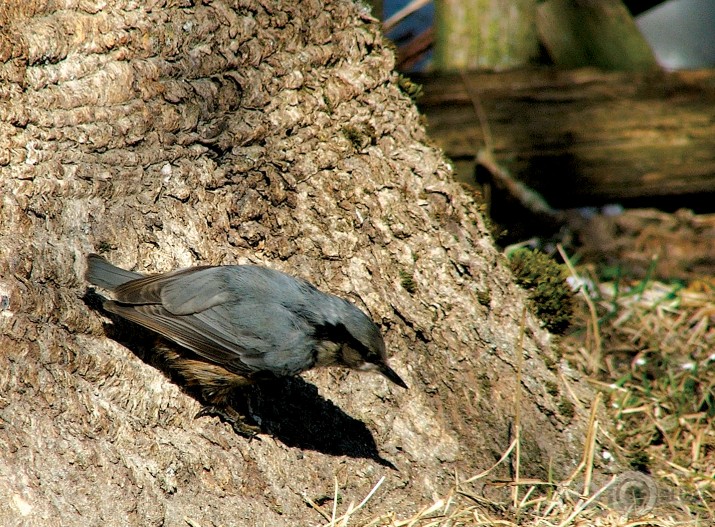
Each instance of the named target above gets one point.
<point>362,346</point>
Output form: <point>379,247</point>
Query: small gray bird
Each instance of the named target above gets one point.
<point>241,323</point>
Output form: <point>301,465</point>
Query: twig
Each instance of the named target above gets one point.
<point>495,465</point>
<point>316,507</point>
<point>403,13</point>
<point>597,352</point>
<point>345,517</point>
<point>517,404</point>
<point>585,504</point>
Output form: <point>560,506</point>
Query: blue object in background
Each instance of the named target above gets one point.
<point>410,27</point>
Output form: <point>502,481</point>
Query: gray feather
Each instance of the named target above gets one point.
<point>105,275</point>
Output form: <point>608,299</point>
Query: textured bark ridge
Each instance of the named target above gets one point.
<point>271,133</point>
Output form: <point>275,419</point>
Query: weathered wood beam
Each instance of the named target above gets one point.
<point>583,137</point>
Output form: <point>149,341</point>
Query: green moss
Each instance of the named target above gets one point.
<point>409,88</point>
<point>355,136</point>
<point>407,281</point>
<point>551,388</point>
<point>545,280</point>
<point>104,247</point>
<point>360,137</point>
<point>484,297</point>
<point>566,408</point>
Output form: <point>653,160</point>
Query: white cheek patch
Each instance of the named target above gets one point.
<point>367,366</point>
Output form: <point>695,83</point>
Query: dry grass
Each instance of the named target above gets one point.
<point>649,349</point>
<point>655,363</point>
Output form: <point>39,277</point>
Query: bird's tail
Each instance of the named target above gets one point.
<point>105,275</point>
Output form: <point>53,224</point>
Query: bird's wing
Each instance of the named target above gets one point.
<point>182,292</point>
<point>242,338</point>
<point>234,316</point>
<point>187,331</point>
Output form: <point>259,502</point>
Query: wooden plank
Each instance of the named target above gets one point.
<point>583,137</point>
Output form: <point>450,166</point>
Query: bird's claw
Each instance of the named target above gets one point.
<point>231,416</point>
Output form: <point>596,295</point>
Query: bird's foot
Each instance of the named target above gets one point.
<point>231,416</point>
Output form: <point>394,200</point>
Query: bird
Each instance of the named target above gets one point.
<point>236,325</point>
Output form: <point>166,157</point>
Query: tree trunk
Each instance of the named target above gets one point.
<point>472,34</point>
<point>271,133</point>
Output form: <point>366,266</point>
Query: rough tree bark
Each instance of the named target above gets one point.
<point>265,132</point>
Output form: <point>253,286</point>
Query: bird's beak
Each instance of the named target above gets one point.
<point>390,374</point>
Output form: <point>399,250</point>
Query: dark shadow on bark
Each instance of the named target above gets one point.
<point>290,409</point>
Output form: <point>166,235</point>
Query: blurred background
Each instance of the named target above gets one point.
<point>681,33</point>
<point>586,123</point>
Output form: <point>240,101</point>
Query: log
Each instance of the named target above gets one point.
<point>585,137</point>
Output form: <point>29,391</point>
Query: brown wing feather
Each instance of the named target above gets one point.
<point>187,331</point>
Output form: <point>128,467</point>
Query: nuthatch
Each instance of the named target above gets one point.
<point>241,323</point>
